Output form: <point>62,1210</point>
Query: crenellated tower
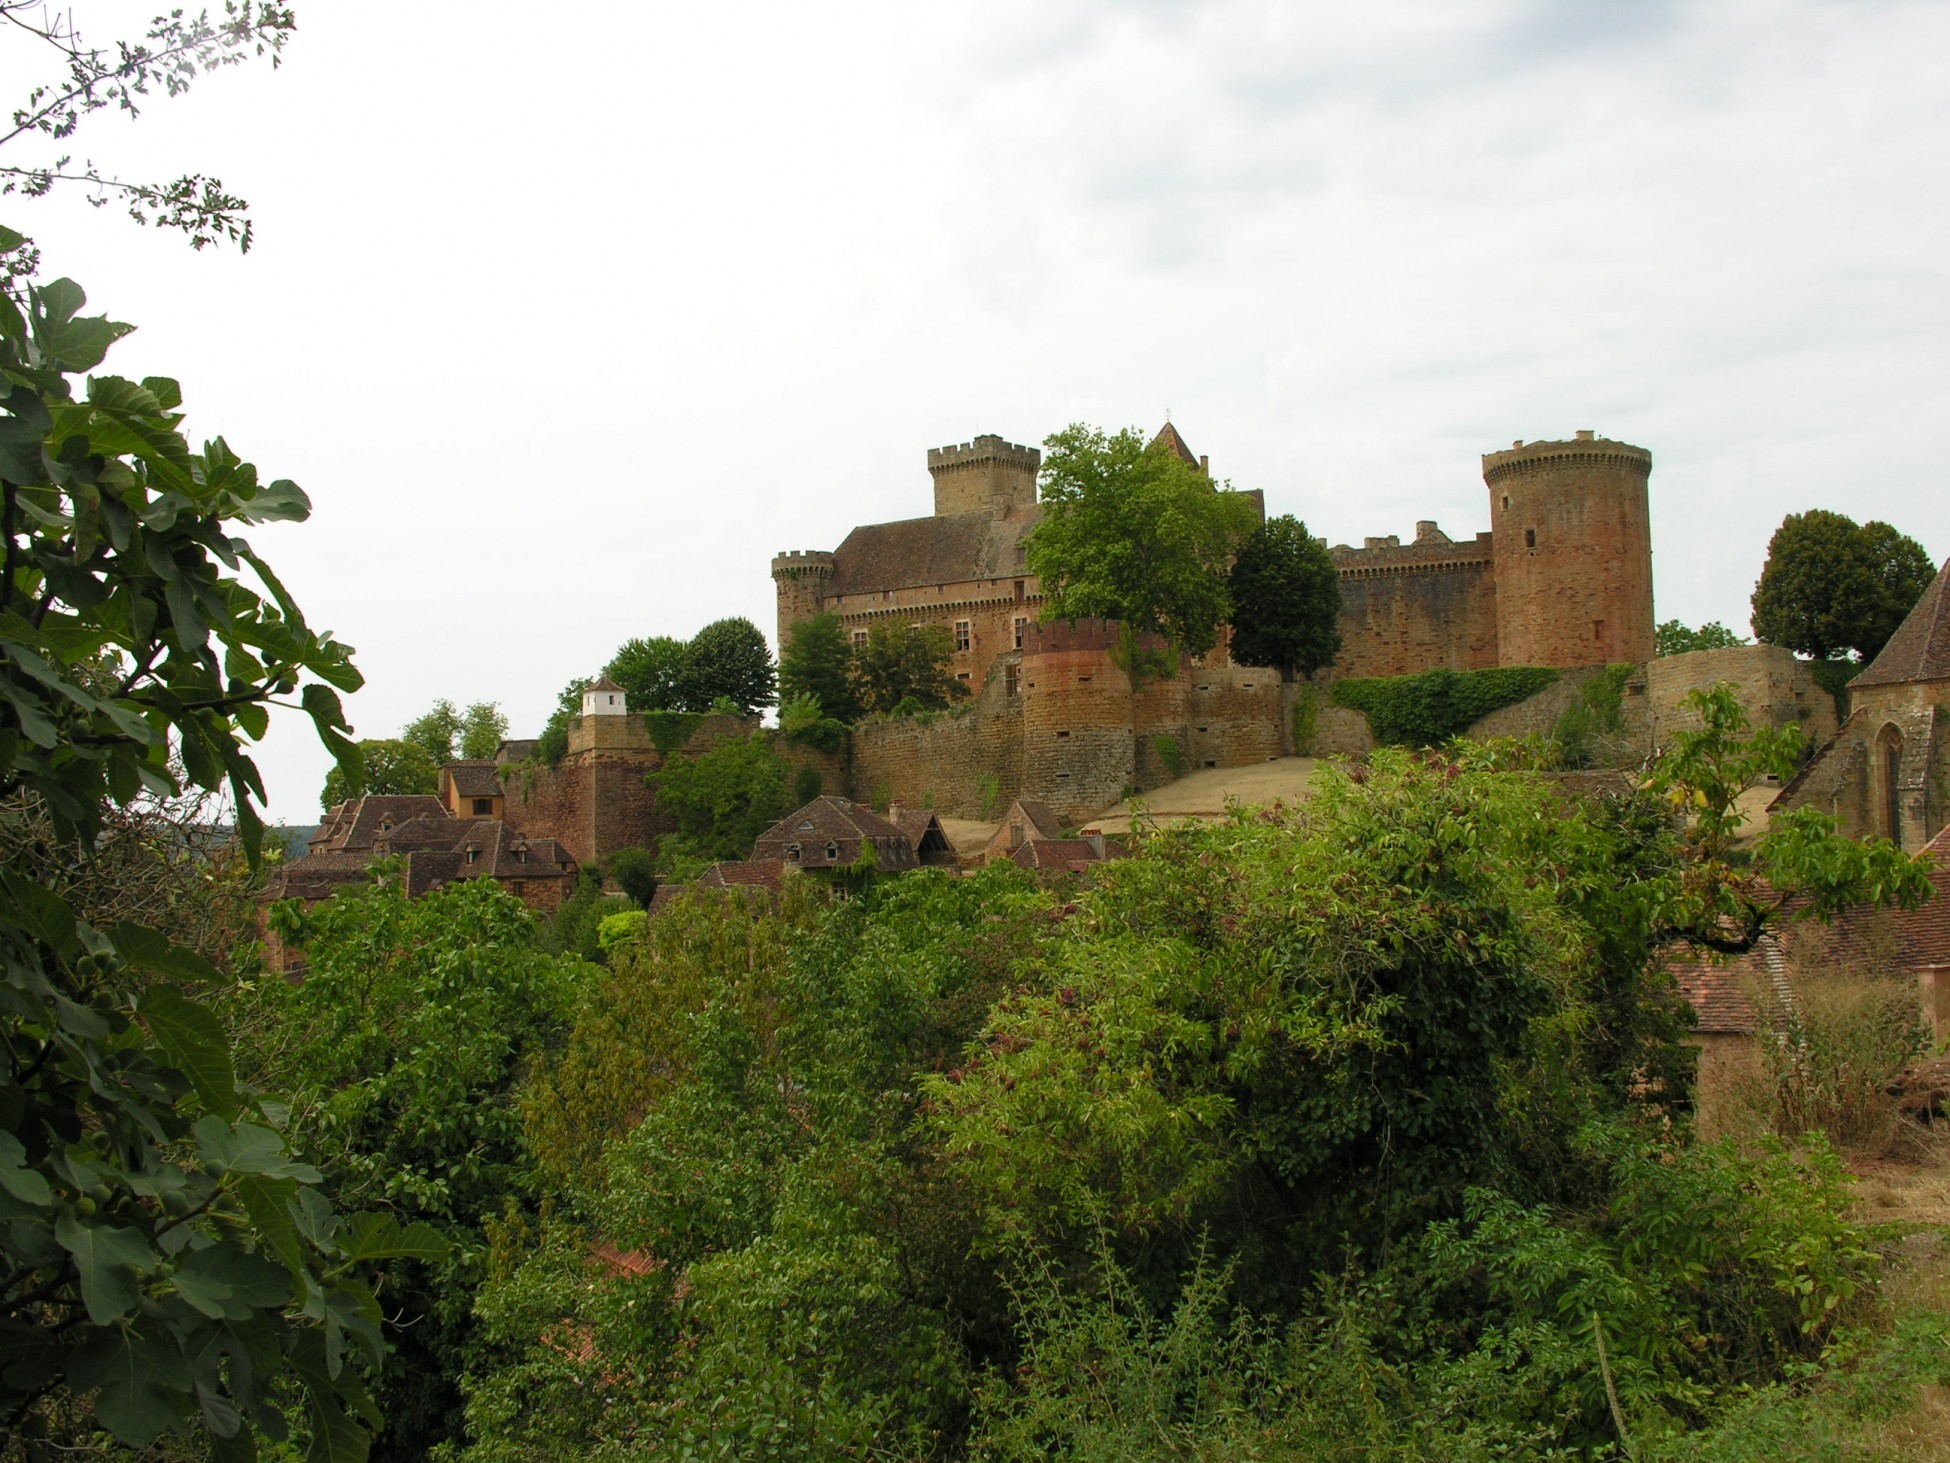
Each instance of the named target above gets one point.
<point>987,475</point>
<point>1571,533</point>
<point>802,577</point>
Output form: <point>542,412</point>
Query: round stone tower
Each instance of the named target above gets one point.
<point>802,577</point>
<point>1572,548</point>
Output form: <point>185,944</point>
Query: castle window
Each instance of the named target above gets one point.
<point>1012,680</point>
<point>964,635</point>
<point>859,637</point>
<point>962,676</point>
<point>483,807</point>
<point>1082,679</point>
<point>1062,735</point>
<point>1506,502</point>
<point>1018,589</point>
<point>1021,623</point>
<point>1597,629</point>
<point>1022,555</point>
<point>1530,538</point>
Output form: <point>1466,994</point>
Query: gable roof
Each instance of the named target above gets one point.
<point>1041,821</point>
<point>924,831</point>
<point>474,778</point>
<point>945,550</point>
<point>1066,855</point>
<point>351,827</point>
<point>1920,648</point>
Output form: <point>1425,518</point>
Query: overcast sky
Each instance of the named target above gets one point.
<point>568,321</point>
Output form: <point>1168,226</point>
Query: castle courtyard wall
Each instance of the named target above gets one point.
<point>1411,608</point>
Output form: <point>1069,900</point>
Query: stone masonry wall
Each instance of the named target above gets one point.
<point>1238,717</point>
<point>942,761</point>
<point>1078,742</point>
<point>1414,608</point>
<point>1774,686</point>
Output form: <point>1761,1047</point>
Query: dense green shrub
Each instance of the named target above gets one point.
<point>807,784</point>
<point>634,871</point>
<point>670,730</point>
<point>802,720</point>
<point>1428,709</point>
<point>1833,677</point>
<point>1599,711</point>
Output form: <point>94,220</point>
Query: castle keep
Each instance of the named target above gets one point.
<point>1563,578</point>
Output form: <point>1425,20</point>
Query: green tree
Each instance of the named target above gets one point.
<point>124,76</point>
<point>168,1263</point>
<point>482,729</point>
<point>1286,600</point>
<point>723,799</point>
<point>401,1052</point>
<point>650,672</point>
<point>435,731</point>
<point>388,766</point>
<point>906,668</point>
<point>1831,586</point>
<point>729,660</point>
<point>634,871</point>
<point>1135,534</point>
<point>818,661</point>
<point>1672,637</point>
<point>553,745</point>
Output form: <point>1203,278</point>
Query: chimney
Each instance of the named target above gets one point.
<point>1095,838</point>
<point>894,811</point>
<point>1205,464</point>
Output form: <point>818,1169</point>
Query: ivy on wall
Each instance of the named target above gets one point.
<point>1426,709</point>
<point>669,730</point>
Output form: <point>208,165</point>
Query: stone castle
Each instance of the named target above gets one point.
<point>1563,579</point>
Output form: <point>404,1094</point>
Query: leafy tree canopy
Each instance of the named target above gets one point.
<point>1831,586</point>
<point>553,745</point>
<point>388,766</point>
<point>729,660</point>
<point>634,871</point>
<point>1286,600</point>
<point>169,1265</point>
<point>1671,637</point>
<point>906,668</point>
<point>400,1052</point>
<point>651,673</point>
<point>482,729</point>
<point>818,662</point>
<point>723,799</point>
<point>1135,534</point>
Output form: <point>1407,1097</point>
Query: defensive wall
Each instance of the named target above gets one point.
<point>1419,606</point>
<point>596,801</point>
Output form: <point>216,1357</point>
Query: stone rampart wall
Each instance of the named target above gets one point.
<point>942,761</point>
<point>1079,749</point>
<point>1398,620</point>
<point>1776,688</point>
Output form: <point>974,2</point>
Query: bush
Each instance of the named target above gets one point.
<point>802,720</point>
<point>634,871</point>
<point>1830,1050</point>
<point>1427,709</point>
<point>807,784</point>
<point>1599,711</point>
<point>615,931</point>
<point>988,796</point>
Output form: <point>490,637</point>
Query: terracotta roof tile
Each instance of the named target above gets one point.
<point>1920,648</point>
<point>829,822</point>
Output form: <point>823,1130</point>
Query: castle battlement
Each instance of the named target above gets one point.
<point>1587,450</point>
<point>797,562</point>
<point>987,447</point>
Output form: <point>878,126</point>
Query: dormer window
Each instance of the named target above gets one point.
<point>521,853</point>
<point>473,853</point>
<point>792,853</point>
<point>806,826</point>
<point>832,853</point>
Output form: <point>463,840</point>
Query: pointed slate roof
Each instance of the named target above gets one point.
<point>604,683</point>
<point>1169,439</point>
<point>1920,648</point>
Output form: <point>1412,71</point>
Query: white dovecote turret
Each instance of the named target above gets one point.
<point>604,698</point>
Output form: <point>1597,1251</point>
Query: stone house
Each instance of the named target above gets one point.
<point>831,832</point>
<point>434,848</point>
<point>1027,820</point>
<point>1057,858</point>
<point>1886,772</point>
